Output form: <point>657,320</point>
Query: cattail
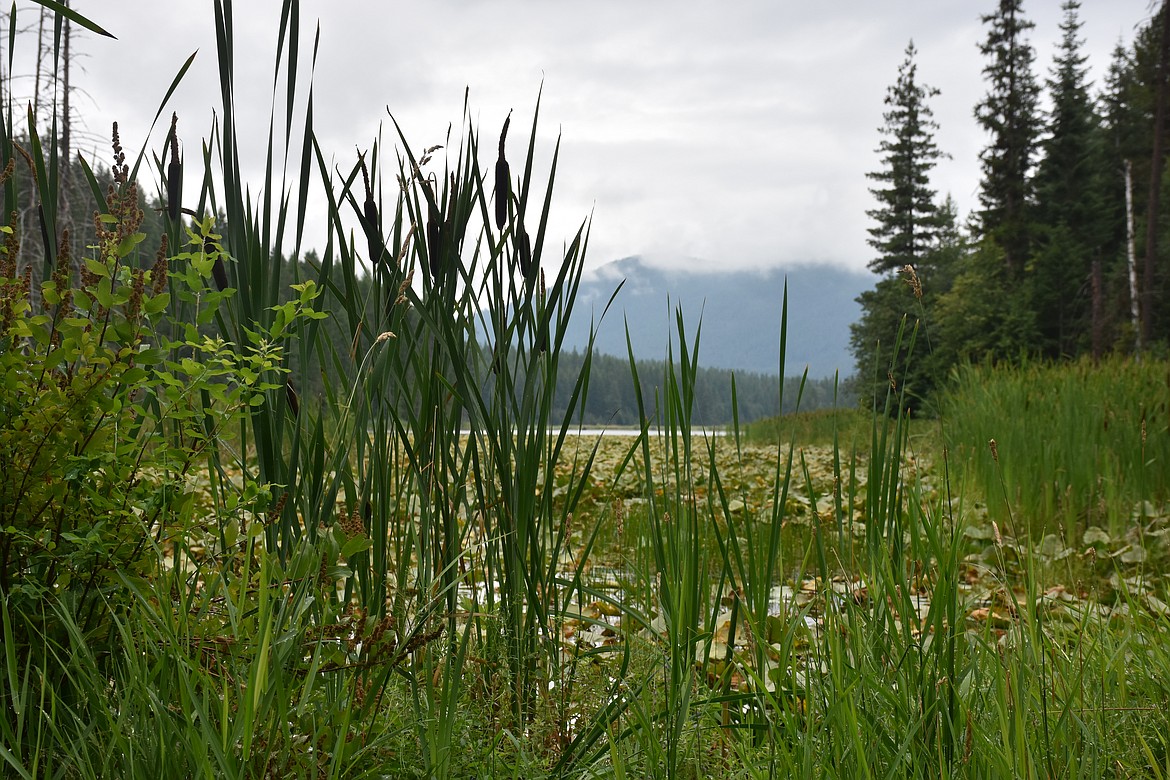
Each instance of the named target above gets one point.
<point>370,212</point>
<point>218,270</point>
<point>524,250</point>
<point>290,394</point>
<point>503,179</point>
<point>174,172</point>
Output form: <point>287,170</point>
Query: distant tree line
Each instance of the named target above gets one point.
<point>1067,254</point>
<point>612,399</point>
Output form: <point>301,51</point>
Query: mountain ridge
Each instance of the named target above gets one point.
<point>740,311</point>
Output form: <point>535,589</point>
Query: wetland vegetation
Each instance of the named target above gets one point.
<point>426,570</point>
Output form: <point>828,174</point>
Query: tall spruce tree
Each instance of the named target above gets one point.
<point>1071,202</point>
<point>1009,113</point>
<point>907,215</point>
<point>909,232</point>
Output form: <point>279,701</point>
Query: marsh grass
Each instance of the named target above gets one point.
<point>1080,444</point>
<point>400,577</point>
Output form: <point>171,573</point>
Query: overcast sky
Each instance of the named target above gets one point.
<point>731,134</point>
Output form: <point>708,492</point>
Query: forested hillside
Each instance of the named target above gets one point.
<point>1067,254</point>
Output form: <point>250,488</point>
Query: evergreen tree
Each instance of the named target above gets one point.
<point>1150,262</point>
<point>1009,113</point>
<point>1130,118</point>
<point>910,299</point>
<point>907,215</point>
<point>1071,202</point>
<point>909,232</point>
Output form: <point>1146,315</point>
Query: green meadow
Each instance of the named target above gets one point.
<point>426,569</point>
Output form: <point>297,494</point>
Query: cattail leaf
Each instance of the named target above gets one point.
<point>290,394</point>
<point>64,10</point>
<point>433,238</point>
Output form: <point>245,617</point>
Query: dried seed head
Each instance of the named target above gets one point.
<point>8,169</point>
<point>913,280</point>
<point>158,273</point>
<point>384,336</point>
<point>994,449</point>
<point>28,161</point>
<point>275,510</point>
<point>503,180</point>
<point>402,288</point>
<point>133,305</point>
<point>121,171</point>
<point>174,172</point>
<point>998,536</point>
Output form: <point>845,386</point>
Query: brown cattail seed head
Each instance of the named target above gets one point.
<point>994,449</point>
<point>174,172</point>
<point>503,180</point>
<point>370,213</point>
<point>524,249</point>
<point>218,269</point>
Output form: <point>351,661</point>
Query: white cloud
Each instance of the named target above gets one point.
<point>735,133</point>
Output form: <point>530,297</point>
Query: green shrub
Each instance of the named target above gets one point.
<point>103,415</point>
